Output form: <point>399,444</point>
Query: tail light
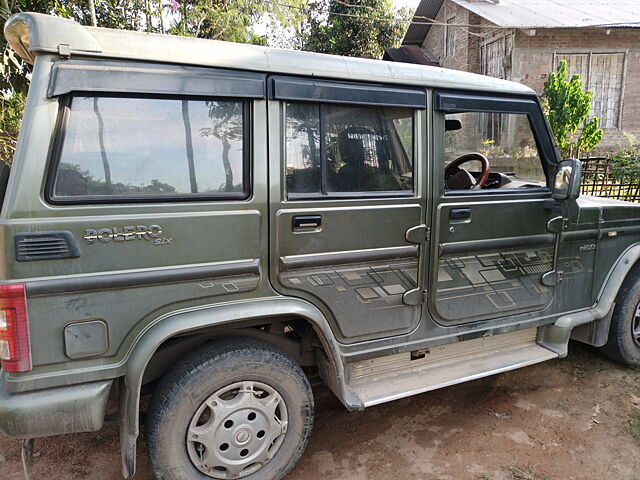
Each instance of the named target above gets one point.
<point>15,352</point>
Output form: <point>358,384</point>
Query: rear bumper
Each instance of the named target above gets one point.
<point>41,413</point>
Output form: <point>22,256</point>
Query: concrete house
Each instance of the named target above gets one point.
<point>523,40</point>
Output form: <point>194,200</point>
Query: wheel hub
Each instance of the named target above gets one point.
<point>243,436</point>
<point>237,430</point>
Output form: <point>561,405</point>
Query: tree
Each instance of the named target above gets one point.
<point>231,20</point>
<point>358,28</point>
<point>235,20</point>
<point>11,107</point>
<point>567,107</point>
<point>226,121</point>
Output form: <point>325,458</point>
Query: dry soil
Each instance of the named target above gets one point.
<point>564,419</point>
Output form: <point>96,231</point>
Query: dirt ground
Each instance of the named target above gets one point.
<point>564,419</point>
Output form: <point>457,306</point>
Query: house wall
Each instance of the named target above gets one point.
<point>467,45</point>
<point>533,58</point>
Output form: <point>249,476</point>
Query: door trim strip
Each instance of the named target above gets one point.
<point>496,244</point>
<point>104,281</point>
<point>295,262</point>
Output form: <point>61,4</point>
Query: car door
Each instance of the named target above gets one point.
<point>493,247</point>
<point>346,185</point>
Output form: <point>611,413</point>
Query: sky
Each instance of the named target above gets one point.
<point>406,3</point>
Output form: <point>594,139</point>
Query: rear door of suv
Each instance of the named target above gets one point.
<point>347,171</point>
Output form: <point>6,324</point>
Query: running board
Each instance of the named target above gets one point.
<point>397,376</point>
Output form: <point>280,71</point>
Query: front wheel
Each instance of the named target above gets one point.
<point>236,408</point>
<point>623,344</point>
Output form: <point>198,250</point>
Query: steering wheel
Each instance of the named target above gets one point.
<point>461,178</point>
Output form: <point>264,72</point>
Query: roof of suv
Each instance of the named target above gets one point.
<point>31,34</point>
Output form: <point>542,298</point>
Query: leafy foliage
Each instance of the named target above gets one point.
<point>363,28</point>
<point>634,425</point>
<point>11,106</point>
<point>235,20</point>
<point>567,107</point>
<point>625,164</point>
<point>359,28</point>
<point>231,20</point>
<point>72,179</point>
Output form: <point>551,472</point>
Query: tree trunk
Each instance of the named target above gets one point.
<point>92,11</point>
<point>161,15</point>
<point>228,172</point>
<point>103,152</point>
<point>189,145</point>
<point>147,12</point>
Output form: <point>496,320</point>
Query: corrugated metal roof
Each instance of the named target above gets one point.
<point>417,31</point>
<point>534,14</point>
<point>556,13</point>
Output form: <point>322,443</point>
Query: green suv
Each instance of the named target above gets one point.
<point>214,224</point>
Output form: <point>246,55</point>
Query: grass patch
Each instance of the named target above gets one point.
<point>634,425</point>
<point>525,473</point>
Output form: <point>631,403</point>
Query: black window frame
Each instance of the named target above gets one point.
<point>60,133</point>
<point>447,102</point>
<point>324,194</point>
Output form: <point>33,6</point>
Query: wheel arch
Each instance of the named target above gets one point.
<point>192,320</point>
<point>596,333</point>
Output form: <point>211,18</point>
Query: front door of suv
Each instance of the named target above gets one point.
<point>346,184</point>
<point>491,242</point>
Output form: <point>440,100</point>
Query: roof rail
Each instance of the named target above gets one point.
<point>31,33</point>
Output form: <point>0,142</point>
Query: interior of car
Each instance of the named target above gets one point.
<point>483,156</point>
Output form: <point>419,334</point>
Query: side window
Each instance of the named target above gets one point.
<point>335,149</point>
<point>118,148</point>
<point>506,140</point>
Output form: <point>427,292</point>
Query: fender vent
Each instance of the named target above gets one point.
<point>32,246</point>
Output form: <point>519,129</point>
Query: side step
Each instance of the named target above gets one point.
<point>396,376</point>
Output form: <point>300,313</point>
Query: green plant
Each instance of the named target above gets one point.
<point>625,164</point>
<point>525,473</point>
<point>567,107</point>
<point>634,425</point>
<point>491,149</point>
<point>11,107</point>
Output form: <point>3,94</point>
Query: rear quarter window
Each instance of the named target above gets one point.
<point>115,149</point>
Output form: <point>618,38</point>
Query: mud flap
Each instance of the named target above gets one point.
<point>26,452</point>
<point>127,438</point>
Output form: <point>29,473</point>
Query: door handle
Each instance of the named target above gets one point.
<point>460,214</point>
<point>306,222</point>
<point>419,235</point>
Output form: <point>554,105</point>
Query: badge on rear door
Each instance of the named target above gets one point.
<point>130,232</point>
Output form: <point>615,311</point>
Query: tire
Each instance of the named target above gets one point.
<point>251,391</point>
<point>623,344</point>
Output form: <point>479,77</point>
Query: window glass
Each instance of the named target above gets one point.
<point>155,147</point>
<point>303,147</point>
<point>362,149</point>
<point>506,140</point>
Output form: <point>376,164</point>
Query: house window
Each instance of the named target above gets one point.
<point>603,74</point>
<point>449,38</point>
